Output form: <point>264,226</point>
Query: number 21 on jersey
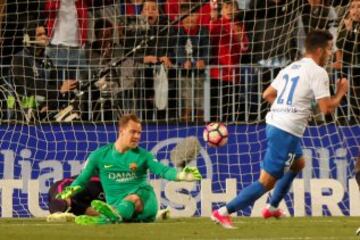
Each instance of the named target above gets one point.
<point>290,83</point>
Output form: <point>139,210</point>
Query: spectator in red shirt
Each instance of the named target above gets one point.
<point>229,41</point>
<point>172,8</point>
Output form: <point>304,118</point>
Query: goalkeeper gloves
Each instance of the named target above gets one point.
<point>189,174</point>
<point>68,192</point>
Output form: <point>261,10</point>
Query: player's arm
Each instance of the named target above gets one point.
<point>328,104</point>
<point>80,182</point>
<point>270,94</point>
<point>85,175</point>
<point>170,173</point>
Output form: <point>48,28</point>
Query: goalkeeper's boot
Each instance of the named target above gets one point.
<point>276,213</point>
<point>225,221</point>
<point>92,220</point>
<point>106,210</point>
<point>61,217</point>
<point>357,232</point>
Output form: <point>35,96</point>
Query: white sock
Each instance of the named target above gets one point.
<point>271,208</point>
<point>223,211</point>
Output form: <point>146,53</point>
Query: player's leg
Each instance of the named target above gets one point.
<point>150,207</point>
<point>272,169</point>
<point>281,189</point>
<point>283,185</point>
<point>92,220</point>
<point>81,202</point>
<point>251,193</point>
<point>122,210</point>
<point>108,215</point>
<point>129,205</point>
<point>246,197</point>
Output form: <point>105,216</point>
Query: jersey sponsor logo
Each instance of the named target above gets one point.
<point>287,109</point>
<point>133,167</point>
<point>108,166</point>
<point>122,176</point>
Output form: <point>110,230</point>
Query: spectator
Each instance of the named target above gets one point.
<point>34,78</point>
<point>15,16</point>
<point>3,72</point>
<point>274,31</point>
<point>348,54</point>
<point>319,14</point>
<point>230,41</point>
<point>172,8</point>
<point>274,38</point>
<point>131,7</point>
<point>158,50</point>
<point>192,55</point>
<point>118,86</point>
<point>67,26</point>
<point>2,15</point>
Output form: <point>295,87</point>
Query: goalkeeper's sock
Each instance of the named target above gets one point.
<point>281,188</point>
<point>246,197</point>
<point>126,209</point>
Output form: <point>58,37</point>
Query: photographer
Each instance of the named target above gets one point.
<point>34,79</point>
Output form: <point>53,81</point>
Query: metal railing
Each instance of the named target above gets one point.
<point>243,104</point>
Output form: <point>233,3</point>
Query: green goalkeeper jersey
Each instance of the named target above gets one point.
<point>122,173</point>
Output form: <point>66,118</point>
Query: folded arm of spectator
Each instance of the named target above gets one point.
<point>150,59</point>
<point>166,61</point>
<point>338,64</point>
<point>68,85</point>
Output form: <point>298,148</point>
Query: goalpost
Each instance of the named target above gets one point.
<point>41,145</point>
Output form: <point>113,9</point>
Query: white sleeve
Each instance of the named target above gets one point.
<point>319,84</point>
<point>277,81</point>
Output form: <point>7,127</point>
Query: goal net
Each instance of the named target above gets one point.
<point>70,69</point>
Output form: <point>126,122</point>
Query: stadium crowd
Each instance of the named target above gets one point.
<point>104,58</point>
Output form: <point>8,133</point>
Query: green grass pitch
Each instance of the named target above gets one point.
<point>307,228</point>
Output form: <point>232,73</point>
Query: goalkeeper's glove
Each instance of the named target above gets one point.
<point>68,192</point>
<point>189,174</point>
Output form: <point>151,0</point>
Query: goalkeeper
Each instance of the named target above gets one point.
<point>122,169</point>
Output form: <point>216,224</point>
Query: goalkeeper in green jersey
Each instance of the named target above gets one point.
<point>122,168</point>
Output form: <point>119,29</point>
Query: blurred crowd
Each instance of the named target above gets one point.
<point>66,60</point>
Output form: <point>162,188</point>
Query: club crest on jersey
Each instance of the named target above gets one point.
<point>133,167</point>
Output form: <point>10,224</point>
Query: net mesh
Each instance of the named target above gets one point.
<point>69,69</point>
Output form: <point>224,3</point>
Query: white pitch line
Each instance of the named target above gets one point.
<point>256,238</point>
<point>33,224</point>
<point>282,238</point>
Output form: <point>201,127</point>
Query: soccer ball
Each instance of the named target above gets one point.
<point>215,134</point>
